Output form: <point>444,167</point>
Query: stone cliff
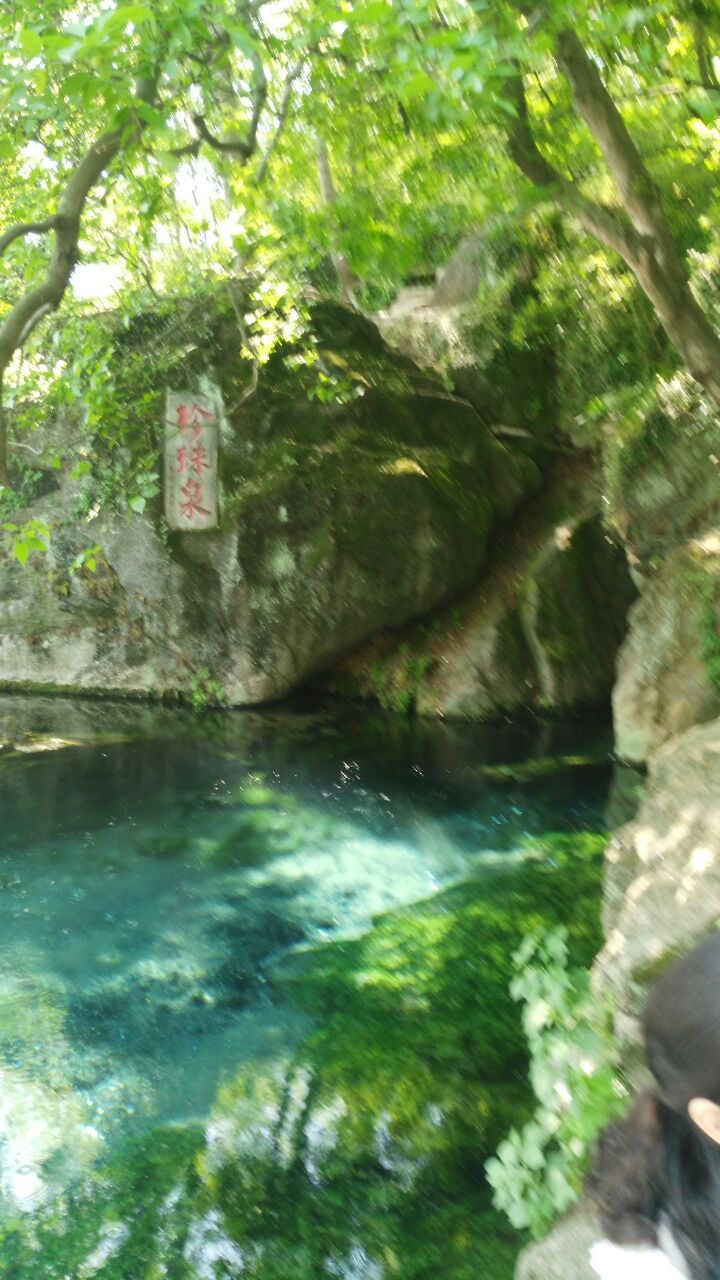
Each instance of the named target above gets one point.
<point>338,519</point>
<point>346,521</point>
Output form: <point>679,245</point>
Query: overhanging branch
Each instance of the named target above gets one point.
<point>283,114</point>
<point>36,303</point>
<point>638,231</point>
<point>598,219</point>
<point>597,110</point>
<point>243,148</point>
<point>26,229</point>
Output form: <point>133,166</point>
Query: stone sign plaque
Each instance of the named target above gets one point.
<point>191,447</point>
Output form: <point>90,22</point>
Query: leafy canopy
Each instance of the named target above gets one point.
<point>217,108</point>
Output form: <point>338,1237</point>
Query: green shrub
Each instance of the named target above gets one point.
<point>205,691</point>
<point>538,1170</point>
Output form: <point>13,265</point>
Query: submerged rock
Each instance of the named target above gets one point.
<point>208,1247</point>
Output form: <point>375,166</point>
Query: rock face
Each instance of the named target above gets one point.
<point>338,520</point>
<point>464,327</point>
<point>565,1253</point>
<point>661,895</point>
<point>541,629</point>
<point>662,877</point>
<point>661,474</point>
<point>663,481</point>
<point>667,679</point>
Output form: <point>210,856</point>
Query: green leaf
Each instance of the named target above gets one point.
<point>374,11</point>
<point>508,107</point>
<point>30,42</point>
<point>150,114</point>
<point>241,37</point>
<point>138,503</point>
<point>417,86</point>
<point>119,18</point>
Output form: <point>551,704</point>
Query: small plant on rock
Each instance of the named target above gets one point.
<point>205,691</point>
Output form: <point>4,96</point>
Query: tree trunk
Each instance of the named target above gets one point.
<point>653,256</point>
<point>682,317</point>
<point>3,437</point>
<point>32,307</point>
<point>638,231</point>
<point>329,194</point>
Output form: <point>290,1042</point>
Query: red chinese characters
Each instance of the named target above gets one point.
<point>190,462</point>
<point>192,493</point>
<point>197,462</point>
<point>190,418</point>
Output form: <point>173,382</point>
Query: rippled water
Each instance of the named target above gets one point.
<point>234,985</point>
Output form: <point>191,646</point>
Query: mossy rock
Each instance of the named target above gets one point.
<point>339,517</point>
<point>661,473</point>
<point>540,630</point>
<point>164,844</point>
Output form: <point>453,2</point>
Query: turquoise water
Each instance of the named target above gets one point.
<point>252,984</point>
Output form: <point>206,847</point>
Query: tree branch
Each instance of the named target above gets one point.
<point>189,148</point>
<point>36,303</point>
<point>639,232</point>
<point>706,69</point>
<point>283,113</point>
<point>26,229</point>
<point>595,107</point>
<point>241,147</point>
<point>342,267</point>
<point>598,219</point>
<point>235,147</point>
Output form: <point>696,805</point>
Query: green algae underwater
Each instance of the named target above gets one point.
<point>254,1006</point>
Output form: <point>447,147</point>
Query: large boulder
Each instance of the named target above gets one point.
<point>668,676</point>
<point>338,519</point>
<point>540,630</point>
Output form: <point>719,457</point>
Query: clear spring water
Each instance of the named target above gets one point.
<point>210,933</point>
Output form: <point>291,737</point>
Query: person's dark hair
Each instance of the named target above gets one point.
<point>656,1162</point>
